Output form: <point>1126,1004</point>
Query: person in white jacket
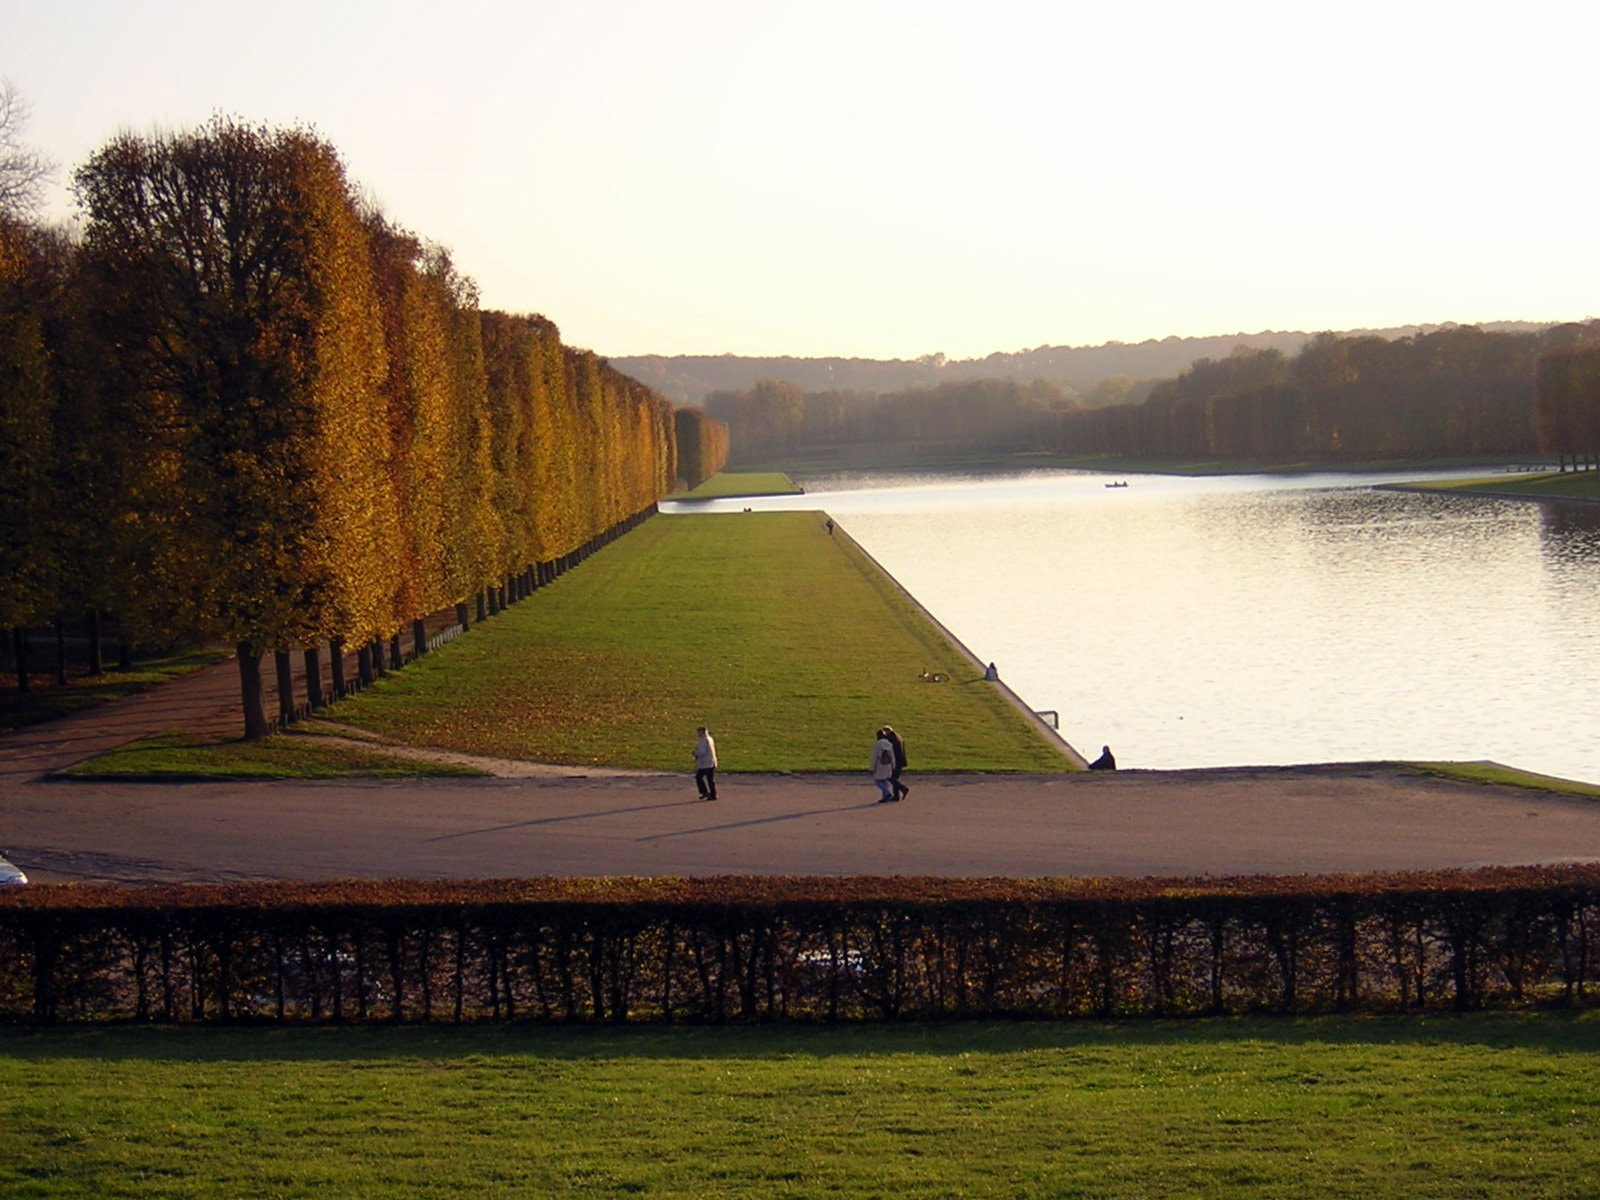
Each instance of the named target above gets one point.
<point>883,767</point>
<point>705,765</point>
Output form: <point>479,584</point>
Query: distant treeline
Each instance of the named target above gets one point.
<point>1458,391</point>
<point>1111,373</point>
<point>244,406</point>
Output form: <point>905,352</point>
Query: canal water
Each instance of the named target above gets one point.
<point>1251,620</point>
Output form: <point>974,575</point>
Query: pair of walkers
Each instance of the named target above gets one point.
<point>888,762</point>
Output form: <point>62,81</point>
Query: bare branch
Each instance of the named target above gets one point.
<point>23,169</point>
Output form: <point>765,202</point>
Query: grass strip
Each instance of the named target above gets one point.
<point>741,483</point>
<point>1491,1105</point>
<point>785,640</point>
<point>178,755</point>
<point>1569,485</point>
<point>1494,773</point>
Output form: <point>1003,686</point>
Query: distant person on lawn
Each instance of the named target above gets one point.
<point>1106,762</point>
<point>883,767</point>
<point>705,765</point>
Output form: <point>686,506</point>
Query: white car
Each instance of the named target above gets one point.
<point>10,875</point>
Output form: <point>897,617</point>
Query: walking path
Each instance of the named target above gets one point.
<point>546,820</point>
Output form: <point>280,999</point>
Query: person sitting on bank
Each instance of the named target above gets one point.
<point>1106,762</point>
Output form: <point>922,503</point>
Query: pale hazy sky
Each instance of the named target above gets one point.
<point>892,178</point>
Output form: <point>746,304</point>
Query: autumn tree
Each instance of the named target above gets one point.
<point>228,272</point>
<point>28,553</point>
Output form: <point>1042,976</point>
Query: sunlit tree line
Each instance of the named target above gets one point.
<point>702,446</point>
<point>245,406</point>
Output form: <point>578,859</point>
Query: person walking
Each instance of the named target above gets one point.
<point>883,767</point>
<point>705,764</point>
<point>901,791</point>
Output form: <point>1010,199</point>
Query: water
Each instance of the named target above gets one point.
<point>1257,619</point>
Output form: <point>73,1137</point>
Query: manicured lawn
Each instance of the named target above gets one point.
<point>181,754</point>
<point>781,638</point>
<point>737,483</point>
<point>1572,485</point>
<point>1488,1106</point>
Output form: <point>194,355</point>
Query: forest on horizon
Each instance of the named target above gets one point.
<point>1110,373</point>
<point>1457,391</point>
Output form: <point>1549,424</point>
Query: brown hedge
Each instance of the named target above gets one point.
<point>798,949</point>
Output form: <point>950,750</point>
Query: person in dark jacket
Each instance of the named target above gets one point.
<point>1106,761</point>
<point>901,791</point>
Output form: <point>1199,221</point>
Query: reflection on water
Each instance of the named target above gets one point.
<point>1251,619</point>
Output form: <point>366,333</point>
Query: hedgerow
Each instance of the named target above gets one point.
<point>798,949</point>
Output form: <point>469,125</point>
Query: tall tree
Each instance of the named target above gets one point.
<point>227,269</point>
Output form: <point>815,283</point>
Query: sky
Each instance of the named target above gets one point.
<point>896,178</point>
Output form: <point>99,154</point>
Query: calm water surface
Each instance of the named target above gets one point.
<point>1255,619</point>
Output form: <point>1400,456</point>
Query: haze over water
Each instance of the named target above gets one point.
<point>1247,620</point>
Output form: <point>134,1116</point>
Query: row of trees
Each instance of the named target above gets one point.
<point>245,406</point>
<point>773,417</point>
<point>702,446</point>
<point>1458,391</point>
<point>1568,410</point>
<point>1455,392</point>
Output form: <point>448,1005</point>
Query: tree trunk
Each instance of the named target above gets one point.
<point>19,645</point>
<point>364,665</point>
<point>419,637</point>
<point>379,667</point>
<point>124,651</point>
<point>97,661</point>
<point>396,659</point>
<point>313,661</point>
<point>336,666</point>
<point>61,651</point>
<point>461,617</point>
<point>284,667</point>
<point>255,711</point>
<point>482,616</point>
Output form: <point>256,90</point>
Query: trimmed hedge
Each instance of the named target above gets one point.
<point>799,949</point>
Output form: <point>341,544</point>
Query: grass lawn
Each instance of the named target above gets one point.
<point>1571,485</point>
<point>183,755</point>
<point>747,483</point>
<point>1489,1106</point>
<point>784,640</point>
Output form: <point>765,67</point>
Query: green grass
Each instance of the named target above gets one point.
<point>1571,485</point>
<point>181,755</point>
<point>1500,1106</point>
<point>784,640</point>
<point>49,701</point>
<point>749,483</point>
<point>1508,776</point>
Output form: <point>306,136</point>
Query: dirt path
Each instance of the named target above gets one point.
<point>542,820</point>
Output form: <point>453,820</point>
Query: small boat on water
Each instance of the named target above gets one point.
<point>1124,483</point>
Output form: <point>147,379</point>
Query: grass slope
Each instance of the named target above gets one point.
<point>737,483</point>
<point>787,642</point>
<point>1497,1106</point>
